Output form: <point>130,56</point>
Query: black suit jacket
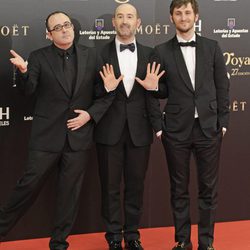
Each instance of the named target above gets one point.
<point>140,110</point>
<point>211,94</point>
<point>54,104</point>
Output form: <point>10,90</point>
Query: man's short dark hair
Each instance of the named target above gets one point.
<point>178,3</point>
<point>52,14</point>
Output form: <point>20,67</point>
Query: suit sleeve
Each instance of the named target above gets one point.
<point>222,88</point>
<point>100,106</point>
<point>28,81</point>
<point>162,92</point>
<point>153,106</point>
<point>102,98</point>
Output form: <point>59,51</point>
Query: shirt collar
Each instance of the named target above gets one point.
<point>70,50</point>
<point>181,40</point>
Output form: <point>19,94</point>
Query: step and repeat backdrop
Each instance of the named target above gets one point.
<point>22,28</point>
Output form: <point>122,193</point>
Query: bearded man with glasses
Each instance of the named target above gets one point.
<point>62,76</point>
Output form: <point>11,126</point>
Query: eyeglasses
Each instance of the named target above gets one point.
<point>59,27</point>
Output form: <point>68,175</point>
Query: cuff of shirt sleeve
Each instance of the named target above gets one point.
<point>153,89</point>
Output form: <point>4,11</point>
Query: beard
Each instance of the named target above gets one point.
<point>184,30</point>
<point>125,33</point>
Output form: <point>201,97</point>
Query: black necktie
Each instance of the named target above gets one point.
<point>191,44</point>
<point>130,46</point>
<point>67,71</point>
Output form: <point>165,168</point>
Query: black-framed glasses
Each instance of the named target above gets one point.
<point>59,27</point>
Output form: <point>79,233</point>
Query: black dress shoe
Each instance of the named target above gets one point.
<point>133,245</point>
<point>206,248</point>
<point>183,246</point>
<point>115,245</point>
<point>210,248</point>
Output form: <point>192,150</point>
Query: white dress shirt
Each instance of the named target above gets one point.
<point>128,65</point>
<point>189,54</point>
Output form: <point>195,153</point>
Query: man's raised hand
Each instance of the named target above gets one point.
<point>152,78</point>
<point>108,77</point>
<point>18,61</point>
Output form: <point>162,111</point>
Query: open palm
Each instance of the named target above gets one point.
<point>152,78</point>
<point>108,77</point>
<point>18,61</point>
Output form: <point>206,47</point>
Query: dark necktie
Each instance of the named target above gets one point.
<point>67,71</point>
<point>190,44</point>
<point>130,46</point>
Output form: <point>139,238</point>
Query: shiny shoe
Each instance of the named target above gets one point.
<point>183,246</point>
<point>210,248</point>
<point>115,245</point>
<point>206,248</point>
<point>133,245</point>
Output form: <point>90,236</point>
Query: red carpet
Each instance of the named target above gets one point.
<point>229,236</point>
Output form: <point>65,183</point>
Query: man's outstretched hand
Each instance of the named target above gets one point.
<point>152,78</point>
<point>18,61</point>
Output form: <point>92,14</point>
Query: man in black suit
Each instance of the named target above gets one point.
<point>124,133</point>
<point>62,78</point>
<point>194,120</point>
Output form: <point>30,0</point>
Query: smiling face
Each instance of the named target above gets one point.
<point>63,38</point>
<point>184,19</point>
<point>126,21</point>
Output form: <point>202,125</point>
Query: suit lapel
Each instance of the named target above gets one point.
<point>115,63</point>
<point>82,57</point>
<point>56,67</point>
<point>200,63</point>
<point>181,65</point>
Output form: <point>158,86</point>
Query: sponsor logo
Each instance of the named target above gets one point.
<point>100,33</point>
<point>238,106</point>
<point>153,29</point>
<point>238,65</point>
<point>198,27</point>
<point>4,116</point>
<point>231,23</point>
<point>14,30</point>
<point>28,118</point>
<point>158,28</point>
<point>99,24</point>
<point>232,31</point>
<point>97,34</point>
